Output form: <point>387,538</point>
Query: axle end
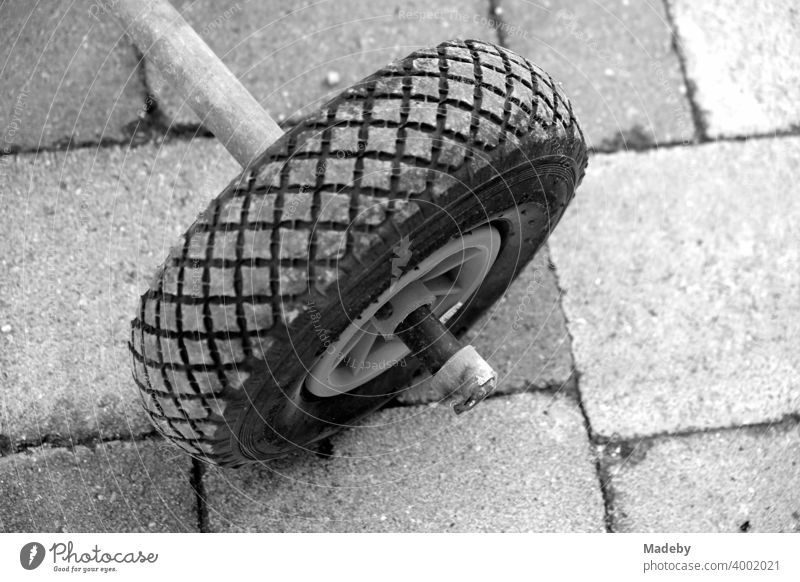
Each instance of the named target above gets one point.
<point>464,380</point>
<point>476,379</point>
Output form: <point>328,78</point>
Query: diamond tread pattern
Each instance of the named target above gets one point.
<point>316,197</point>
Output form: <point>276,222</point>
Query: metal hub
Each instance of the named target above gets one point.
<point>368,347</point>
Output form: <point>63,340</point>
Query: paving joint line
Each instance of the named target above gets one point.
<point>787,420</point>
<point>603,477</point>
<point>197,483</point>
<point>777,134</point>
<point>68,145</point>
<point>56,441</point>
<point>601,470</point>
<point>698,115</point>
<point>190,132</point>
<point>156,123</point>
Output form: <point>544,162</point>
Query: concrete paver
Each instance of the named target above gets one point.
<point>521,463</point>
<point>615,61</point>
<point>114,487</point>
<point>65,75</point>
<point>727,481</point>
<point>681,274</point>
<point>524,336</point>
<point>743,58</point>
<point>293,56</point>
<point>85,232</point>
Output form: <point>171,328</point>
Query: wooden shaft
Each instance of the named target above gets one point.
<point>201,79</point>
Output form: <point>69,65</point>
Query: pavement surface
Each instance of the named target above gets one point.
<point>615,60</point>
<point>743,479</point>
<point>423,469</point>
<point>69,77</point>
<point>743,59</point>
<point>338,43</point>
<point>684,305</point>
<point>141,486</point>
<point>649,374</point>
<point>88,227</point>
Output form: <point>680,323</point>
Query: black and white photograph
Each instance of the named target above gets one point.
<point>474,267</point>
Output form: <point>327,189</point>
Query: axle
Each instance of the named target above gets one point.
<point>457,371</point>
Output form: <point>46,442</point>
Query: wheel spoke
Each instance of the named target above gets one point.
<point>348,347</point>
<point>358,358</point>
<point>451,262</point>
<point>443,286</point>
<point>444,279</point>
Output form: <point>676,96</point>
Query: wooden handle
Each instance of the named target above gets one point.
<point>201,79</point>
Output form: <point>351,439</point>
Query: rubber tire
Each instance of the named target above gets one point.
<point>425,149</point>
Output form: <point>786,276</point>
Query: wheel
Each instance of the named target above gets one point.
<point>440,174</point>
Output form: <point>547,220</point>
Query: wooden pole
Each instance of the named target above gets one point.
<point>199,76</point>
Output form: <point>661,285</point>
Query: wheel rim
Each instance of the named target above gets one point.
<point>451,274</point>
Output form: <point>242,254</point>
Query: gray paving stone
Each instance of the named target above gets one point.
<point>520,463</point>
<point>615,61</point>
<point>286,52</point>
<point>727,481</point>
<point>84,233</point>
<point>114,487</point>
<point>681,276</point>
<point>65,75</point>
<point>744,58</point>
<point>523,336</point>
